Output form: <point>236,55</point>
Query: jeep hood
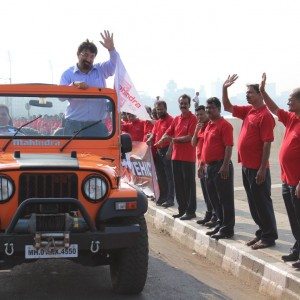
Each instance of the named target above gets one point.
<point>62,161</point>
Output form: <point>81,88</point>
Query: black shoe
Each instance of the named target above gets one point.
<point>159,203</point>
<point>178,215</point>
<point>205,220</point>
<point>262,244</point>
<point>211,224</point>
<point>213,231</point>
<point>290,257</point>
<point>252,242</point>
<point>221,235</point>
<point>188,217</point>
<point>201,222</point>
<point>296,264</point>
<point>166,205</point>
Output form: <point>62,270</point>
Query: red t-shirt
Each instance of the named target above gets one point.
<point>135,129</point>
<point>289,155</point>
<point>200,142</point>
<point>257,128</point>
<point>217,136</point>
<point>160,127</point>
<point>182,126</point>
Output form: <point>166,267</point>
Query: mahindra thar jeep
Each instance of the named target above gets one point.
<point>61,193</point>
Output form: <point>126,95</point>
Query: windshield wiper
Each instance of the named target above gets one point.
<point>17,131</point>
<point>76,133</point>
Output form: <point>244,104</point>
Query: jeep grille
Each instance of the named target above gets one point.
<point>50,185</point>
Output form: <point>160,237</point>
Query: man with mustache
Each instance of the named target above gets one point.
<point>180,133</point>
<point>162,157</point>
<point>289,158</point>
<point>197,141</point>
<point>254,147</point>
<point>216,156</point>
<point>83,112</point>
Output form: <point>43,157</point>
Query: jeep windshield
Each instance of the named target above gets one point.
<point>60,117</point>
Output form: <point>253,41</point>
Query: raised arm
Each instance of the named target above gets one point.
<point>109,66</point>
<point>269,102</point>
<point>228,82</point>
<point>194,140</point>
<point>108,40</point>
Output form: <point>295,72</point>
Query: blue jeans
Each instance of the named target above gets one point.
<point>97,130</point>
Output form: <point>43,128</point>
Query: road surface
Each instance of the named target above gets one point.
<point>174,273</point>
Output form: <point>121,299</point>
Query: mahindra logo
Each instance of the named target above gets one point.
<point>125,93</point>
<point>127,86</point>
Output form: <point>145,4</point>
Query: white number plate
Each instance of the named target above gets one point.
<point>32,253</point>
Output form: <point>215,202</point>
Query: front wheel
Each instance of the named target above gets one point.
<point>129,267</point>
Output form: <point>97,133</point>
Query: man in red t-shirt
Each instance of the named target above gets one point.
<point>135,127</point>
<point>254,147</point>
<point>197,141</point>
<point>289,158</point>
<point>183,158</point>
<point>216,156</point>
<point>163,164</point>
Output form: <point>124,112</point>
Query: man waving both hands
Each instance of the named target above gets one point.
<point>254,146</point>
<point>289,159</point>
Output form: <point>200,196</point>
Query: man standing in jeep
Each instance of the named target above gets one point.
<point>82,112</point>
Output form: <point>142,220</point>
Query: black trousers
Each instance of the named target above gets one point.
<point>164,174</point>
<point>292,205</point>
<point>221,195</point>
<point>209,207</point>
<point>184,174</point>
<point>260,204</point>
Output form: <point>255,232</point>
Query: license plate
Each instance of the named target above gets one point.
<point>59,252</point>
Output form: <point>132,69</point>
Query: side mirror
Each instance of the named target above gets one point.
<point>40,103</point>
<point>126,143</point>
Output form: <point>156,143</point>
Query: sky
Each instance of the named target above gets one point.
<point>191,42</point>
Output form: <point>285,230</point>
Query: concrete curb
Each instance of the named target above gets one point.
<point>271,276</point>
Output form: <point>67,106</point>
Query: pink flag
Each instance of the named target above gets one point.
<point>129,100</point>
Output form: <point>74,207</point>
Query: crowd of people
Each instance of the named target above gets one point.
<point>177,143</point>
<point>206,138</point>
<point>45,125</point>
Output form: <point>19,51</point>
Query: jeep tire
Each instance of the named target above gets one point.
<point>129,266</point>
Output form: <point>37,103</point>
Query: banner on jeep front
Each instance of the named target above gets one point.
<point>138,169</point>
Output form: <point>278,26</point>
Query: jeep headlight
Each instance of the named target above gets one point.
<point>95,188</point>
<point>6,188</point>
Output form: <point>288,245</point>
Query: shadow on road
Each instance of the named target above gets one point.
<point>53,279</point>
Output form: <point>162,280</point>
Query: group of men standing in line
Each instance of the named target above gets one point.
<point>212,136</point>
<point>207,138</point>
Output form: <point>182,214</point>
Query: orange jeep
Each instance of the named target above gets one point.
<point>61,194</point>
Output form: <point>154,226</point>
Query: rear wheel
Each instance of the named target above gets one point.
<point>129,267</point>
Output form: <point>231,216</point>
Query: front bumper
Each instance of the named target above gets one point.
<point>113,237</point>
<point>91,241</point>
